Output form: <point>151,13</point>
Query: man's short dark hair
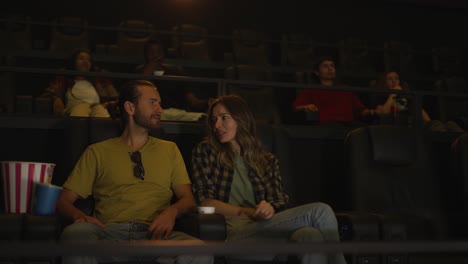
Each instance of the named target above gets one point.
<point>320,60</point>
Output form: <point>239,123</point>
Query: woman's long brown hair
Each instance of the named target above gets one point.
<point>246,136</point>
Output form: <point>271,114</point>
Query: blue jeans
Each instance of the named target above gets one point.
<point>80,232</point>
<point>314,222</point>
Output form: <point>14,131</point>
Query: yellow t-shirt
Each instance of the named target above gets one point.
<point>105,171</point>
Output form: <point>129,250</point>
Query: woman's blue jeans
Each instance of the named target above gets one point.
<point>314,222</point>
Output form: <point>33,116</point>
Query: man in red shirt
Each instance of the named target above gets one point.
<point>332,105</point>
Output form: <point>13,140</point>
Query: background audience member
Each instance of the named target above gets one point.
<point>342,106</point>
<point>132,179</point>
<point>83,96</point>
<point>174,96</point>
<point>233,173</point>
<point>154,56</point>
<point>399,106</point>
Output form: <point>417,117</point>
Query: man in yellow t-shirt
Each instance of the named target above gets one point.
<point>132,179</point>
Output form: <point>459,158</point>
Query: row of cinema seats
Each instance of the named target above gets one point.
<point>392,188</point>
<point>251,83</point>
<point>187,41</point>
<point>386,183</point>
<point>192,42</point>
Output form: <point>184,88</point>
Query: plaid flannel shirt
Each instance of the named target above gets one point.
<point>210,180</point>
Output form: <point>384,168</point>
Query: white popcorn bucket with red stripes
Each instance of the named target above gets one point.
<point>18,183</point>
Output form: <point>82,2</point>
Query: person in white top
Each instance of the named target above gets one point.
<point>83,96</point>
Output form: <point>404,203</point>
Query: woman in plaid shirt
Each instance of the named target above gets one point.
<point>232,173</point>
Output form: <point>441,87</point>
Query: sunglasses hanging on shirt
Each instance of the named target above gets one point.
<point>138,170</point>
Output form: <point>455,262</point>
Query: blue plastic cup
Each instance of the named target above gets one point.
<point>45,198</point>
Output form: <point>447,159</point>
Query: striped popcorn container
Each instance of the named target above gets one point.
<point>18,178</point>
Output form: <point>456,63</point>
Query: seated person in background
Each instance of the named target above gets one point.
<point>332,105</point>
<point>83,96</point>
<point>154,61</point>
<point>175,97</point>
<point>400,105</point>
<point>132,179</point>
<point>233,173</point>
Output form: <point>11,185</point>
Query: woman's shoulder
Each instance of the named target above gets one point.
<point>270,157</point>
<point>204,149</point>
<point>205,146</point>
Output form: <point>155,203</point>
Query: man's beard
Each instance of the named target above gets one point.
<point>144,121</point>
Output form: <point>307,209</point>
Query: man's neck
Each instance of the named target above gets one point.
<point>134,137</point>
<point>327,82</point>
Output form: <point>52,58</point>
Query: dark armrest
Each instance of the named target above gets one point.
<point>17,227</point>
<point>203,226</point>
<point>41,227</point>
<point>358,226</point>
<point>11,227</point>
<point>304,118</point>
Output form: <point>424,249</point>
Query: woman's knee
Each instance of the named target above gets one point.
<point>321,208</point>
<point>80,232</point>
<point>307,234</point>
<point>322,215</point>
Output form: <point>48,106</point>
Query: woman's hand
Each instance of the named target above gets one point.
<point>263,211</point>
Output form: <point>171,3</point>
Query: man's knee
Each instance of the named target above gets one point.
<point>190,240</point>
<point>307,234</point>
<point>80,232</point>
<point>195,259</point>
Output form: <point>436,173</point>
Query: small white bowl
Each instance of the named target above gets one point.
<point>206,210</point>
<point>158,73</point>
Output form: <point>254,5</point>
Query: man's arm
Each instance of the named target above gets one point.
<point>185,201</point>
<point>66,209</point>
<point>367,112</point>
<point>306,108</point>
<point>162,225</point>
<point>305,102</point>
<point>359,108</point>
<point>425,116</point>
